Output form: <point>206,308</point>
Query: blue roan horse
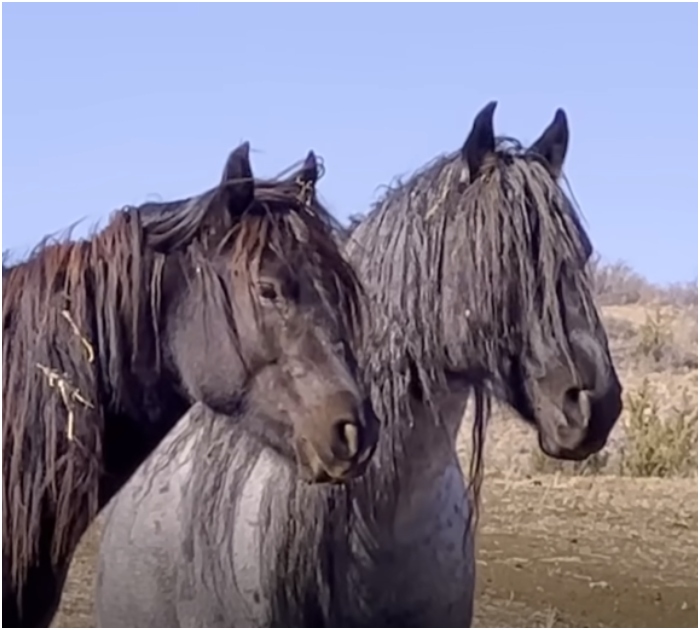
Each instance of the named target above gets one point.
<point>475,272</point>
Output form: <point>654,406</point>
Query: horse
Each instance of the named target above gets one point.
<point>238,298</point>
<point>475,269</point>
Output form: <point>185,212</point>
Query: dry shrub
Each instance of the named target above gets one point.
<point>618,284</point>
<point>659,443</point>
<point>683,294</point>
<point>655,336</point>
<point>667,339</point>
<point>622,337</point>
<point>656,343</point>
<point>686,335</point>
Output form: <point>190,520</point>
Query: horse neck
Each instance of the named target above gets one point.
<point>419,432</point>
<point>416,446</point>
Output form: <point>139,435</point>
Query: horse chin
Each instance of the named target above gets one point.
<point>321,477</point>
<point>556,451</point>
<point>564,450</point>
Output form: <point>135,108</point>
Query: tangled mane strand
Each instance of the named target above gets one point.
<point>508,235</point>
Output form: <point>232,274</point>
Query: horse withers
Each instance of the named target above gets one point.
<point>238,298</point>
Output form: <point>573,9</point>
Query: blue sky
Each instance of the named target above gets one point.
<point>114,104</point>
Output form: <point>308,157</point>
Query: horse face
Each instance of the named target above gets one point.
<point>262,328</point>
<point>556,369</point>
<point>574,396</point>
<point>307,389</point>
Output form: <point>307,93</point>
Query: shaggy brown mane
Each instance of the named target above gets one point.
<point>70,315</point>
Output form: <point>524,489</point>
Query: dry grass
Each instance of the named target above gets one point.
<point>665,342</point>
<point>597,464</point>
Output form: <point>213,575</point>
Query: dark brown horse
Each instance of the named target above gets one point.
<point>238,298</point>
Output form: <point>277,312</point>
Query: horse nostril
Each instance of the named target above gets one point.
<point>346,440</point>
<point>577,406</point>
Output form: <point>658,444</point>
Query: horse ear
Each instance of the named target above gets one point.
<point>309,171</point>
<point>307,177</point>
<point>553,143</point>
<point>481,141</point>
<point>237,181</point>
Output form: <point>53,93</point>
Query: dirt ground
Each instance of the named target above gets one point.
<point>554,552</point>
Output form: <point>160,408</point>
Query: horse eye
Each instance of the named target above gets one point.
<point>267,291</point>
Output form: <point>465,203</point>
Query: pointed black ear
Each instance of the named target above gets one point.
<point>309,171</point>
<point>553,143</point>
<point>237,182</point>
<point>481,141</point>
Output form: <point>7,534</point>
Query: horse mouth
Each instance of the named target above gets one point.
<point>315,470</point>
<point>334,474</point>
